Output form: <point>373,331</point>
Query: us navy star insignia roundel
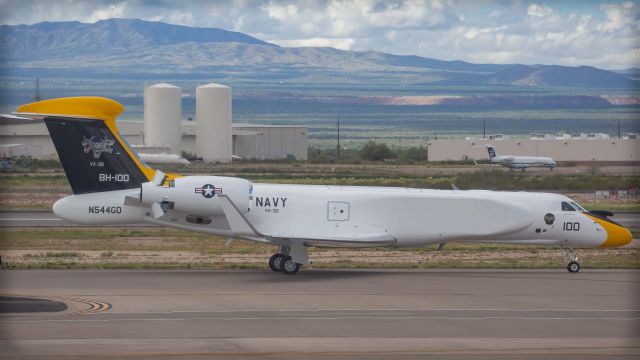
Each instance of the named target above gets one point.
<point>549,219</point>
<point>208,191</point>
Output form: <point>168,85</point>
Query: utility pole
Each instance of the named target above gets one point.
<point>36,95</point>
<point>338,138</point>
<point>484,128</point>
<point>619,130</point>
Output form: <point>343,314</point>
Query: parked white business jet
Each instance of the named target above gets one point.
<point>111,185</point>
<point>520,162</point>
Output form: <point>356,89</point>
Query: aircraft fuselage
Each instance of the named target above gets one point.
<point>522,162</point>
<point>412,217</point>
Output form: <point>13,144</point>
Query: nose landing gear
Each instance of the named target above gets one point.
<point>573,266</point>
<point>572,259</point>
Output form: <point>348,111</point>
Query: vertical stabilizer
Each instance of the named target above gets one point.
<point>94,155</point>
<point>492,151</point>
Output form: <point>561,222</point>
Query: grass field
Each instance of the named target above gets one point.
<point>141,248</point>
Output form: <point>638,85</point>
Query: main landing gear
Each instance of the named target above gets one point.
<point>572,259</point>
<point>283,262</point>
<point>275,262</point>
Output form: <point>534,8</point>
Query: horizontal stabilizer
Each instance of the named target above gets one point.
<point>159,178</point>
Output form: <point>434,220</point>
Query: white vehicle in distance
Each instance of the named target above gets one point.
<point>520,162</point>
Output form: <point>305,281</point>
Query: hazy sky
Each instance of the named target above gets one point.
<point>580,32</point>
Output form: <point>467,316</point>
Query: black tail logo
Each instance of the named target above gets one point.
<point>97,147</point>
<point>93,158</point>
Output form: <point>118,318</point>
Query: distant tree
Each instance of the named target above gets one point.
<point>375,151</point>
<point>322,156</point>
<point>414,154</point>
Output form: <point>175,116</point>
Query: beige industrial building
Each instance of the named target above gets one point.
<point>17,150</point>
<point>162,137</point>
<point>249,141</point>
<point>622,150</point>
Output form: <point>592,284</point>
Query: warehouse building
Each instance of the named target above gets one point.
<point>163,136</point>
<point>249,141</point>
<point>570,149</point>
<point>17,150</point>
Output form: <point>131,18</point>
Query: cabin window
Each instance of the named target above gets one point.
<point>578,207</point>
<point>567,207</point>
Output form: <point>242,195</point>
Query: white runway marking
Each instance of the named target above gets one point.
<point>458,309</point>
<point>368,314</point>
<point>323,318</point>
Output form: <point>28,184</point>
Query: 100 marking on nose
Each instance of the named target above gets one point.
<point>571,226</point>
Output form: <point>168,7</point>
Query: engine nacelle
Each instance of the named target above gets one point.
<point>199,195</point>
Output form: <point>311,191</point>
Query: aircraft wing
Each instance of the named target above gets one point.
<point>241,227</point>
<point>365,240</point>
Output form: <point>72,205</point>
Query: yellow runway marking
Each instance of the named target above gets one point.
<point>95,306</point>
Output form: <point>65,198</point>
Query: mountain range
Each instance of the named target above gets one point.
<point>136,48</point>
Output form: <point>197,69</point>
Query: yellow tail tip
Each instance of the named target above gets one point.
<point>94,107</point>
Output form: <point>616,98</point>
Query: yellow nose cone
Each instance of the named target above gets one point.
<point>616,235</point>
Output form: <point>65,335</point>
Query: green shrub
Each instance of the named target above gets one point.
<point>376,151</point>
<point>413,154</point>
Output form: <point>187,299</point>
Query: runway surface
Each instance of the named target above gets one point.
<point>352,314</point>
<point>48,219</point>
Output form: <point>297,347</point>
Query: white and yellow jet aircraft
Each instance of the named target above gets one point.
<point>111,185</point>
<point>520,162</point>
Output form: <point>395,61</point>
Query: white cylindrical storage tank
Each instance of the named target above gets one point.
<point>213,123</point>
<point>162,117</point>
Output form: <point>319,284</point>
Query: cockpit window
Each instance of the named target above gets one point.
<point>567,207</point>
<point>578,207</point>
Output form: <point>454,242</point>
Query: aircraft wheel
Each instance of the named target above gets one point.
<point>289,267</point>
<point>573,267</point>
<point>275,262</point>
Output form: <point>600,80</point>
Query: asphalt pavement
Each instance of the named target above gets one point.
<point>346,314</point>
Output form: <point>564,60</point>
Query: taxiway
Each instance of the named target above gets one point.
<point>354,314</point>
